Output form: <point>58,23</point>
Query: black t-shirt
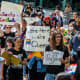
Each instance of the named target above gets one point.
<point>11,34</point>
<point>3,39</point>
<point>20,54</point>
<point>55,69</point>
<point>2,42</point>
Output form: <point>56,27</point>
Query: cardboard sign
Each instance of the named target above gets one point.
<point>15,60</point>
<point>31,20</point>
<point>36,38</point>
<point>10,13</point>
<point>11,59</point>
<point>52,57</point>
<point>7,57</point>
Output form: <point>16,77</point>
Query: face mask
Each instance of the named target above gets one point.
<point>71,28</point>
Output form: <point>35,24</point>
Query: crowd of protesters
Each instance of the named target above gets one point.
<point>12,41</point>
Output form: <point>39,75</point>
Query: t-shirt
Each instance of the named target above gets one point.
<point>3,39</point>
<point>55,69</point>
<point>2,42</point>
<point>9,35</point>
<point>20,54</point>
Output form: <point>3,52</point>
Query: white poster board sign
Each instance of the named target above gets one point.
<point>10,13</point>
<point>52,57</point>
<point>36,38</point>
<point>31,20</point>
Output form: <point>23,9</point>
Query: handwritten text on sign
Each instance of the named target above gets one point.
<point>36,38</point>
<point>31,20</point>
<point>10,13</point>
<point>52,57</point>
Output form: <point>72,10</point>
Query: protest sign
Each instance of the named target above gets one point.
<point>36,38</point>
<point>10,13</point>
<point>15,60</point>
<point>71,69</point>
<point>10,58</point>
<point>52,57</point>
<point>7,57</point>
<point>31,20</point>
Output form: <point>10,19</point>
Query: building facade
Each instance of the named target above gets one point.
<point>52,3</point>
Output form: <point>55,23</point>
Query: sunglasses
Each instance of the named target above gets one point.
<point>8,27</point>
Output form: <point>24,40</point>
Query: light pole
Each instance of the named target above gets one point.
<point>64,4</point>
<point>41,3</point>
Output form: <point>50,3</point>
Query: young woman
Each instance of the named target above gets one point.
<point>4,67</point>
<point>56,43</point>
<point>15,72</point>
<point>28,11</point>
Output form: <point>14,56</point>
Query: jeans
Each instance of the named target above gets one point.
<point>24,70</point>
<point>50,76</point>
<point>24,67</point>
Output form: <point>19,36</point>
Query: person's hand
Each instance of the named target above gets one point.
<point>42,57</point>
<point>24,61</point>
<point>1,33</point>
<point>10,53</point>
<point>16,24</point>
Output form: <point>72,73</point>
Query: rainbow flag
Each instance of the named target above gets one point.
<point>65,41</point>
<point>28,41</point>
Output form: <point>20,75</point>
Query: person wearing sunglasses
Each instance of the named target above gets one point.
<point>8,32</point>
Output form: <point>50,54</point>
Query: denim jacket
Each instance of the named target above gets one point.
<point>40,66</point>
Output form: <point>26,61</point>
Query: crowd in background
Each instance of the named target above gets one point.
<point>12,41</point>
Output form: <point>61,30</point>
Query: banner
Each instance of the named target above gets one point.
<point>52,57</point>
<point>10,13</point>
<point>31,20</point>
<point>36,38</point>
